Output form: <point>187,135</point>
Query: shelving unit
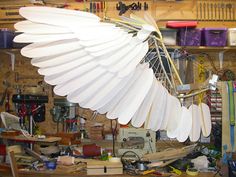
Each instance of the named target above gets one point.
<point>10,50</point>
<point>192,48</point>
<point>204,48</point>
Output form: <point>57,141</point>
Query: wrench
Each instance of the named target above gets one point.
<point>223,11</point>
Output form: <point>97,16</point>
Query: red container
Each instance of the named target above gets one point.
<point>91,150</point>
<point>2,149</point>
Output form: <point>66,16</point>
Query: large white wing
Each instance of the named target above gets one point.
<point>93,63</point>
<point>98,65</point>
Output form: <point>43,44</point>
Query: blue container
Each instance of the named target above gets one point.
<point>216,37</point>
<point>189,36</point>
<point>6,38</point>
<point>51,165</point>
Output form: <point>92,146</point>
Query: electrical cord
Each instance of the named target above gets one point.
<point>128,165</point>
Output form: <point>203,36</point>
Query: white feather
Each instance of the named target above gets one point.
<point>174,120</point>
<point>64,77</point>
<point>205,119</point>
<point>130,61</point>
<point>158,108</point>
<point>70,86</point>
<point>59,59</point>
<point>65,66</point>
<point>83,94</point>
<point>108,45</point>
<point>38,9</point>
<point>30,38</point>
<point>108,92</point>
<point>115,100</point>
<point>133,63</point>
<point>101,41</point>
<point>118,55</point>
<point>130,102</point>
<point>185,125</point>
<point>142,113</point>
<point>49,49</point>
<point>58,17</point>
<point>39,28</point>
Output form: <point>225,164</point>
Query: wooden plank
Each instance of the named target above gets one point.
<point>32,139</point>
<point>52,174</point>
<point>14,168</point>
<point>170,153</point>
<point>225,118</point>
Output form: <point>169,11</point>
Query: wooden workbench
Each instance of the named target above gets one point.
<point>53,174</point>
<point>22,138</point>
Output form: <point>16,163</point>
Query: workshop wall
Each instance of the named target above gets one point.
<point>28,81</point>
<point>162,11</point>
<point>27,86</point>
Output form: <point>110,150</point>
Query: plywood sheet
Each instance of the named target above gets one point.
<point>225,117</point>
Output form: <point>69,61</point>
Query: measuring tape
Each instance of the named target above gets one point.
<point>192,171</point>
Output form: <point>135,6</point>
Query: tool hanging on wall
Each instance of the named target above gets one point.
<point>209,10</point>
<point>96,7</point>
<point>6,84</point>
<point>122,7</point>
<point>13,59</point>
<point>7,102</point>
<point>31,106</point>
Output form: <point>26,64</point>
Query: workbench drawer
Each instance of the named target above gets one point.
<point>104,168</point>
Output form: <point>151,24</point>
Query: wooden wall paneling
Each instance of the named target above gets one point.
<point>23,67</point>
<point>162,11</point>
<point>182,10</point>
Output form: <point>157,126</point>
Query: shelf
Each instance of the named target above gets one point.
<point>10,50</point>
<point>204,48</point>
<point>189,48</point>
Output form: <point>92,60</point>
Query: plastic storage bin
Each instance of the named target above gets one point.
<point>169,36</point>
<point>6,38</point>
<point>189,37</point>
<point>215,37</point>
<point>232,36</point>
